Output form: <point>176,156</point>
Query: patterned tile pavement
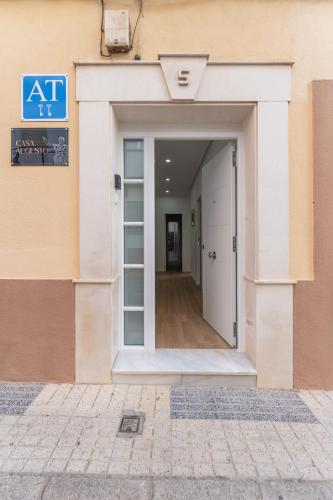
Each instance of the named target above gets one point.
<point>239,404</point>
<point>73,428</point>
<point>16,398</point>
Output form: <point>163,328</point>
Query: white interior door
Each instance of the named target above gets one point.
<point>218,230</point>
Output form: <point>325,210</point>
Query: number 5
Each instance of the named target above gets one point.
<point>183,78</point>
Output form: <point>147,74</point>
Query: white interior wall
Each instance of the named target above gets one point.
<point>195,230</point>
<point>172,205</point>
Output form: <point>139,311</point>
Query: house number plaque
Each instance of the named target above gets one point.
<point>183,77</point>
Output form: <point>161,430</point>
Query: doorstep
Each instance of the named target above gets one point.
<point>208,367</point>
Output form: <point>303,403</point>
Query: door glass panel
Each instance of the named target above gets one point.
<point>133,245</point>
<point>134,331</point>
<point>133,287</point>
<point>133,203</point>
<point>133,242</point>
<point>133,157</point>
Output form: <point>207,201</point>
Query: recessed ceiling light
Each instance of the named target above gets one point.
<point>167,179</point>
<point>167,191</point>
<point>167,160</point>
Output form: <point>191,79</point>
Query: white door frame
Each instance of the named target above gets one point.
<point>267,308</point>
<point>149,137</point>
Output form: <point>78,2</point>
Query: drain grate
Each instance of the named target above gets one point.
<point>131,423</point>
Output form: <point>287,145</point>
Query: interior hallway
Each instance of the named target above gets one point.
<point>179,322</point>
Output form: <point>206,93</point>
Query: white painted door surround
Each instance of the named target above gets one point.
<point>266,294</point>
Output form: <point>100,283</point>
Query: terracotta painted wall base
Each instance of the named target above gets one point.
<point>37,330</point>
<point>313,302</point>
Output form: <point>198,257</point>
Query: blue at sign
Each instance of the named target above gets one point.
<point>44,97</point>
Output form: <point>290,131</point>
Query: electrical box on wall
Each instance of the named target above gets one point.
<point>117,30</point>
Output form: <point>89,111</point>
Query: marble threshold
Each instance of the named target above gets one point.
<point>184,366</point>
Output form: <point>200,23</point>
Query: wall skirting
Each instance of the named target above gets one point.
<point>93,313</point>
<point>313,319</point>
<point>37,330</point>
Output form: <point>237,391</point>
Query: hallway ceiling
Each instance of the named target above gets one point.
<point>186,157</point>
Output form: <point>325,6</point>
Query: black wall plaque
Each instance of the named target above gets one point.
<point>39,147</point>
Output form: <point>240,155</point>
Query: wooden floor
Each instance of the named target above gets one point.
<point>179,321</point>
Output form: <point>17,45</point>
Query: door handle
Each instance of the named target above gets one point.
<point>212,255</point>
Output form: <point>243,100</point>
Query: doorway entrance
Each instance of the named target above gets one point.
<point>244,101</point>
<point>173,246</point>
<point>195,211</point>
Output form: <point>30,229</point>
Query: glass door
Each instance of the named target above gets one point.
<point>133,243</point>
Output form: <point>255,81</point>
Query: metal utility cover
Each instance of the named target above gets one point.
<point>131,423</point>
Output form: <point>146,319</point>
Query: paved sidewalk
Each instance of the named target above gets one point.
<point>73,429</point>
<point>86,487</point>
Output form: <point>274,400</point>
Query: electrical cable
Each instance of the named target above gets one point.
<point>136,23</point>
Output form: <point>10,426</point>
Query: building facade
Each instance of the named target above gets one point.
<point>250,79</point>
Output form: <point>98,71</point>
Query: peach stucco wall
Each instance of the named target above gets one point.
<point>313,302</point>
<point>39,207</point>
